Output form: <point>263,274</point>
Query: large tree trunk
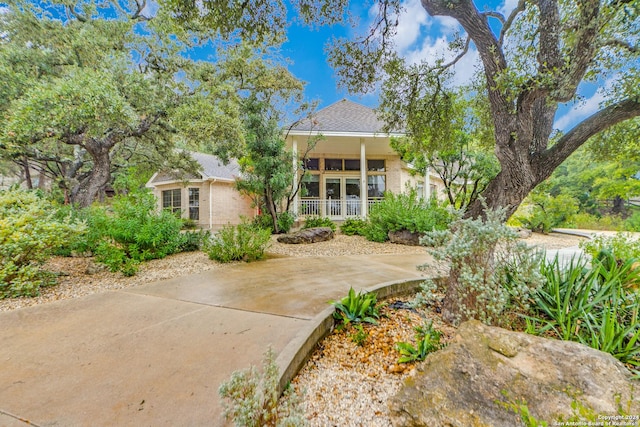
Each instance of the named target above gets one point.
<point>85,192</point>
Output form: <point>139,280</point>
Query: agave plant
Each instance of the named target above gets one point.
<point>360,307</point>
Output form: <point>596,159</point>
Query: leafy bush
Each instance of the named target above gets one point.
<point>354,227</point>
<point>319,221</point>
<point>360,307</point>
<point>622,245</point>
<point>593,222</point>
<point>30,232</point>
<point>242,242</point>
<point>595,305</point>
<point>548,212</point>
<point>251,398</point>
<point>193,240</point>
<point>489,269</point>
<point>285,221</point>
<point>134,232</point>
<point>427,341</point>
<point>633,222</point>
<point>406,211</point>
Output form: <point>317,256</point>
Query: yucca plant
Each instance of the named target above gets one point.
<point>360,307</point>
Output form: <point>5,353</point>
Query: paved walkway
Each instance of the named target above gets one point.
<point>154,355</point>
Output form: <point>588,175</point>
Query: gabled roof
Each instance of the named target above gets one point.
<point>211,168</point>
<point>342,117</point>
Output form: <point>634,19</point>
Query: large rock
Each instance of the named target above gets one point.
<point>405,237</point>
<point>307,235</point>
<point>460,385</point>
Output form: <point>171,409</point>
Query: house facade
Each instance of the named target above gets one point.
<point>210,199</point>
<point>352,165</point>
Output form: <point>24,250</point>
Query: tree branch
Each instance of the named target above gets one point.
<point>594,124</point>
<point>512,17</point>
<point>622,44</point>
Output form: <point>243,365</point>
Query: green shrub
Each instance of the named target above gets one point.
<point>633,222</point>
<point>593,222</point>
<point>190,241</point>
<point>406,211</point>
<point>285,221</point>
<point>30,232</point>
<point>622,245</point>
<point>548,212</point>
<point>242,242</point>
<point>490,270</point>
<point>427,341</point>
<point>354,227</point>
<point>251,398</point>
<point>360,307</point>
<point>595,305</point>
<point>319,221</point>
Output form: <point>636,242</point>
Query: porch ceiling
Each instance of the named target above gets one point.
<point>346,146</point>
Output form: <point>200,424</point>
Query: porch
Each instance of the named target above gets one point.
<point>335,209</point>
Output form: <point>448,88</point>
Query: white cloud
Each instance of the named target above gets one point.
<point>424,38</point>
<point>410,23</point>
<point>585,108</point>
<point>150,9</point>
<point>507,7</point>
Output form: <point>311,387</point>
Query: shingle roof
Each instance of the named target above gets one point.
<point>342,116</point>
<point>212,167</point>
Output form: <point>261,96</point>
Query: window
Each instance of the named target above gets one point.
<point>311,186</point>
<point>194,204</point>
<point>172,200</point>
<point>312,164</point>
<point>351,164</point>
<point>333,164</point>
<point>375,165</point>
<point>376,186</point>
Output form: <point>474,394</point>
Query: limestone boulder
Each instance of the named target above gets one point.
<point>307,235</point>
<point>404,237</point>
<point>461,385</point>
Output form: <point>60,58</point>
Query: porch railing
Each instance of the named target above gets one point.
<point>336,208</point>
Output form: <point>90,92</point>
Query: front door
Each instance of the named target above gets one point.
<point>342,196</point>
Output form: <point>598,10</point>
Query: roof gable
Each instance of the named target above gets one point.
<point>211,166</point>
<point>343,117</point>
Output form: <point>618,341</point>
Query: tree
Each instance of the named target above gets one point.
<point>533,61</point>
<point>453,144</point>
<point>267,167</point>
<point>96,88</point>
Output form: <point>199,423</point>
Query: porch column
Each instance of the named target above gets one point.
<point>294,151</point>
<point>363,179</point>
<point>427,184</point>
<point>211,204</point>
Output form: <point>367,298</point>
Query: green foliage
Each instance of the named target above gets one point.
<point>354,227</point>
<point>623,246</point>
<point>633,222</point>
<point>30,232</point>
<point>319,221</point>
<point>360,336</point>
<point>285,221</point>
<point>250,398</point>
<point>489,269</point>
<point>242,242</point>
<point>546,212</point>
<point>596,306</point>
<point>360,307</point>
<point>427,341</point>
<point>406,211</point>
<point>598,222</point>
<point>191,241</point>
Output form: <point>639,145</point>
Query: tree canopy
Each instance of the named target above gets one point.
<point>533,60</point>
<point>94,87</point>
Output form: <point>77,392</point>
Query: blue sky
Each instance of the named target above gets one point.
<point>419,36</point>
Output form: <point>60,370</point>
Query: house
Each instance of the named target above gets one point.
<point>348,170</point>
<point>210,199</point>
<point>353,164</point>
